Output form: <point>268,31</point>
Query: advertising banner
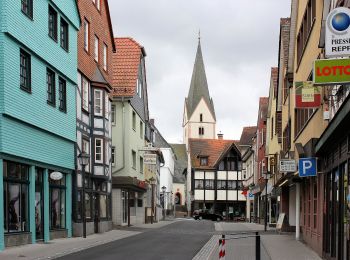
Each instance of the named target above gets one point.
<point>337,38</point>
<point>307,95</point>
<point>331,71</point>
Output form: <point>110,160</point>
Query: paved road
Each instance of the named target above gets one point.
<point>180,240</point>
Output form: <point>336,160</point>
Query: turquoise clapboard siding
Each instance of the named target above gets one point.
<point>31,143</point>
<point>29,127</point>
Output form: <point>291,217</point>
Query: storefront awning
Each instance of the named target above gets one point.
<point>336,127</point>
<point>126,182</point>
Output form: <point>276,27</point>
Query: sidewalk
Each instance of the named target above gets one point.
<point>60,247</point>
<point>273,245</point>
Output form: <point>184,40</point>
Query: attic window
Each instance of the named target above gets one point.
<point>201,117</point>
<point>203,161</point>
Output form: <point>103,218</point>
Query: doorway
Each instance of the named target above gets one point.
<point>39,205</point>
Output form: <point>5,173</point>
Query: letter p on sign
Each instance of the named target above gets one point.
<point>307,167</point>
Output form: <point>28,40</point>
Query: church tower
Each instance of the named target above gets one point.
<point>199,120</point>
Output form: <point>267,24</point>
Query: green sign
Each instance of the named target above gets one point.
<point>331,71</point>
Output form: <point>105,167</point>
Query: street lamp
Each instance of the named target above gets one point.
<point>152,181</point>
<point>84,159</point>
<point>163,190</point>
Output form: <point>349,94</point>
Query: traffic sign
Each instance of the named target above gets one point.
<point>250,196</point>
<point>288,165</point>
<point>307,167</point>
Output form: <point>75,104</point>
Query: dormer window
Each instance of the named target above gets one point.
<point>203,161</point>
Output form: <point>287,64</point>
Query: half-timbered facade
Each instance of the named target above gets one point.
<point>216,177</point>
<point>94,117</point>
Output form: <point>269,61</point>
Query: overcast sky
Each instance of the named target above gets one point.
<point>239,42</point>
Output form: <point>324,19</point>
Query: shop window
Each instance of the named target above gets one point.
<point>16,208</point>
<point>132,203</point>
<point>88,205</point>
<point>198,184</point>
<point>57,203</point>
<point>315,204</point>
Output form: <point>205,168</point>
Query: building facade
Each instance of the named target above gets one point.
<point>37,137</point>
<point>130,106</point>
<point>216,174</point>
<point>94,118</point>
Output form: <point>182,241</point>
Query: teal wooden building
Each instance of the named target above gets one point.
<point>38,74</point>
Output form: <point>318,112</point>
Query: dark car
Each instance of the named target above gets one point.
<point>206,214</point>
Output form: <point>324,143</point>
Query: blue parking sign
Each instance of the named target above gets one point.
<point>307,167</point>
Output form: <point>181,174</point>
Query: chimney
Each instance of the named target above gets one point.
<point>220,136</point>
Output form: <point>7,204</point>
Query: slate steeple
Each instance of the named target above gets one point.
<point>199,86</point>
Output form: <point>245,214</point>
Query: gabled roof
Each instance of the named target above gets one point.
<point>247,135</point>
<point>125,66</point>
<point>199,86</point>
<point>214,149</point>
<point>180,163</point>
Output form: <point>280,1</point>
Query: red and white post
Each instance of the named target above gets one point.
<point>222,252</point>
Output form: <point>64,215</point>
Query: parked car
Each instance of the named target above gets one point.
<point>206,214</point>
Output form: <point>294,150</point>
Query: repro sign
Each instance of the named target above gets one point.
<point>307,167</point>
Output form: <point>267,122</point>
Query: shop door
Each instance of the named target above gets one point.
<point>39,205</point>
<point>96,212</point>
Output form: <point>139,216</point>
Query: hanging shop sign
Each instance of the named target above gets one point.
<point>331,71</point>
<point>150,159</point>
<point>307,167</point>
<point>307,95</point>
<point>337,38</point>
<point>56,176</point>
<point>288,165</point>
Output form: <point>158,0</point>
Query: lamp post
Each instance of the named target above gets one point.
<point>163,190</point>
<point>152,182</point>
<point>84,159</point>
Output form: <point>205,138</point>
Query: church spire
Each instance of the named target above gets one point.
<point>199,86</point>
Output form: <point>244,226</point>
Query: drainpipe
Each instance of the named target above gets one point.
<point>123,138</point>
<point>297,212</point>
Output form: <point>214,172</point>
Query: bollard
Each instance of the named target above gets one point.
<point>257,246</point>
<point>222,252</point>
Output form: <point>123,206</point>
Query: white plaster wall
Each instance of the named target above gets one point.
<point>199,194</point>
<point>221,175</point>
<point>198,175</point>
<point>210,175</point>
<point>232,195</point>
<point>221,195</point>
<point>209,195</point>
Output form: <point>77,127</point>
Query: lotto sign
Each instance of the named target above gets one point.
<point>307,95</point>
<point>307,167</point>
<point>331,71</point>
<point>337,38</point>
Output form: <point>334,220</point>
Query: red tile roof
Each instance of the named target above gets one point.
<point>125,66</point>
<point>214,149</point>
